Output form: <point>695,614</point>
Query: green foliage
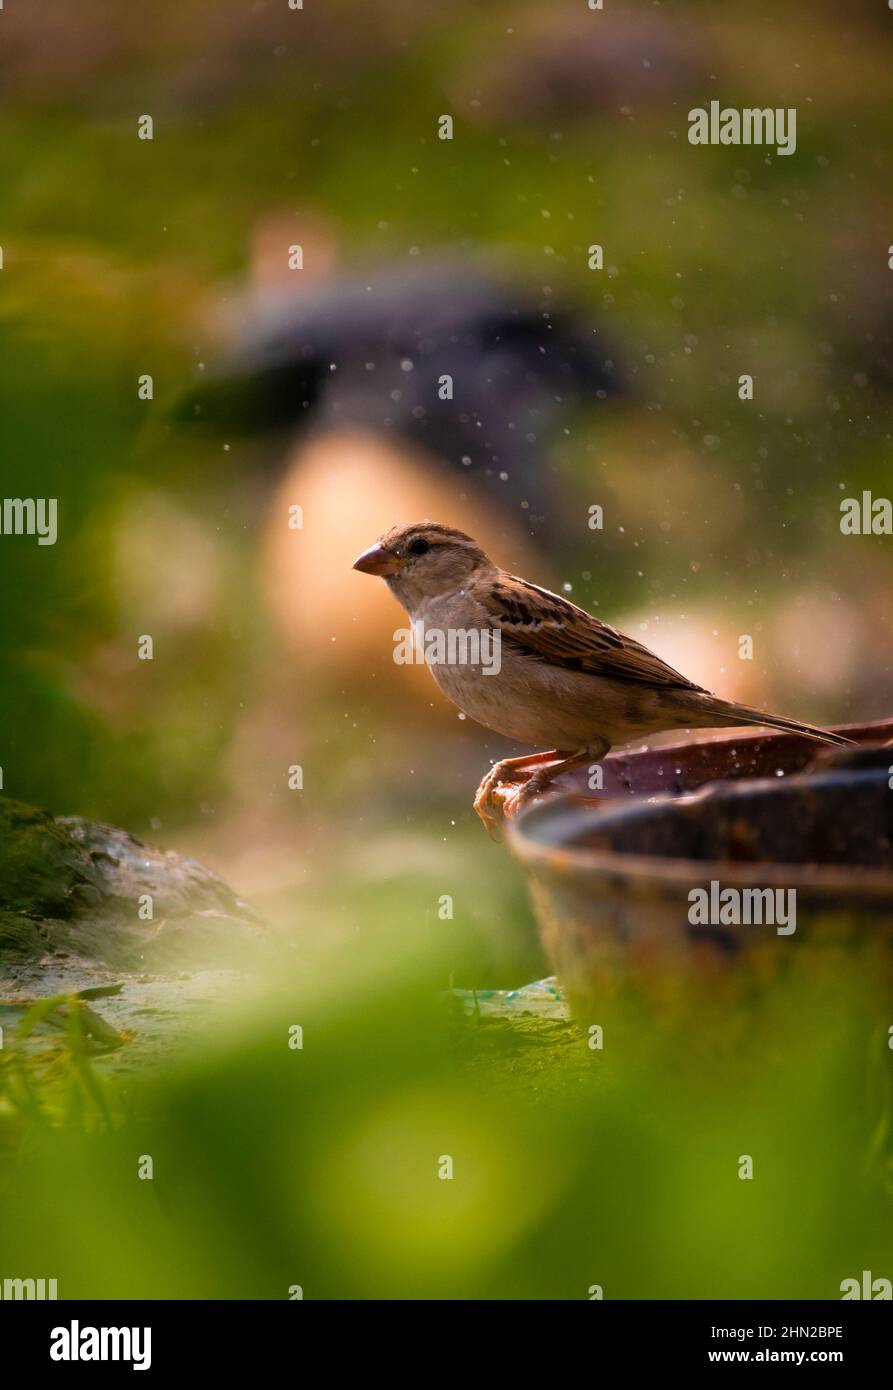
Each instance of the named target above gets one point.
<point>319,1166</point>
<point>47,1077</point>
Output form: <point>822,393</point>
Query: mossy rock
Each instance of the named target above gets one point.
<point>44,871</point>
<point>73,886</point>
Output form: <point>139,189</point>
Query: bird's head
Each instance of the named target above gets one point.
<point>423,561</point>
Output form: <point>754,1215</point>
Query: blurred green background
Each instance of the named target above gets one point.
<point>122,257</point>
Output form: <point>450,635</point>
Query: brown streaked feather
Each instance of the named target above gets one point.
<point>551,628</point>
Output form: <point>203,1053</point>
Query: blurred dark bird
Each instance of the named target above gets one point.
<point>567,65</point>
<point>441,356</point>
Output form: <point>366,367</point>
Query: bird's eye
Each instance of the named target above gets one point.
<point>418,547</point>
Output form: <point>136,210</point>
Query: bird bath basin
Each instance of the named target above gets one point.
<point>732,821</point>
<point>683,767</point>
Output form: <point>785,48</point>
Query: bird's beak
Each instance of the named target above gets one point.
<point>377,560</point>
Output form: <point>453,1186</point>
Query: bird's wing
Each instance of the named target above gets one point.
<point>550,628</point>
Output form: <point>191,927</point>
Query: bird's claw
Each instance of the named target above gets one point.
<point>485,804</point>
<point>520,783</point>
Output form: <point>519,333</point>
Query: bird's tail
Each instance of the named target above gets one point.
<point>732,714</point>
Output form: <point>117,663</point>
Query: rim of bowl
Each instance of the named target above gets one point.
<point>670,871</point>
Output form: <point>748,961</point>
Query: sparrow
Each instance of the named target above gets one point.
<point>566,681</point>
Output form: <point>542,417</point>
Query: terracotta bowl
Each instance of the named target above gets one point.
<point>612,874</point>
<point>683,767</point>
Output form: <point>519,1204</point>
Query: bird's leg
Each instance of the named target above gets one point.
<point>507,770</point>
<point>539,780</point>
